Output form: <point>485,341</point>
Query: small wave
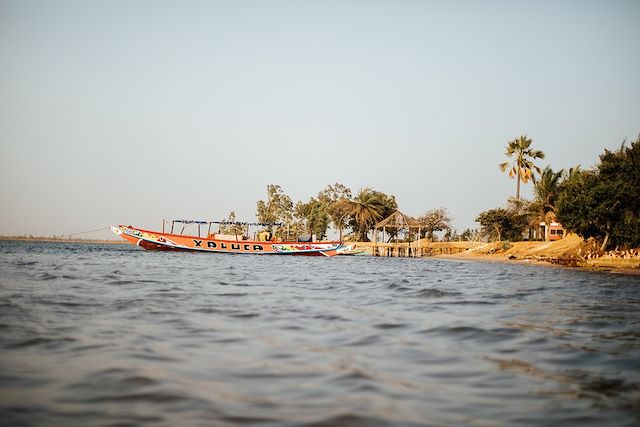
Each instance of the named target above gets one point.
<point>156,397</point>
<point>470,302</point>
<point>125,304</point>
<point>66,303</point>
<point>246,419</point>
<point>232,294</point>
<point>245,315</point>
<point>261,374</point>
<point>20,263</point>
<point>209,310</point>
<point>87,347</point>
<point>330,317</point>
<point>113,275</point>
<point>367,340</point>
<point>475,333</point>
<point>435,293</point>
<point>153,357</point>
<point>43,342</point>
<point>21,381</point>
<point>355,375</point>
<point>227,340</point>
<point>46,276</point>
<point>399,288</point>
<point>349,420</point>
<point>112,381</point>
<point>120,282</point>
<point>389,325</point>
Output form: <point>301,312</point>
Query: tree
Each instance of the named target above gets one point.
<point>318,213</point>
<point>277,209</point>
<point>543,207</point>
<point>315,215</point>
<point>502,224</point>
<point>604,203</point>
<point>435,220</point>
<point>331,196</point>
<point>366,209</point>
<point>470,235</point>
<point>521,166</point>
<point>232,228</point>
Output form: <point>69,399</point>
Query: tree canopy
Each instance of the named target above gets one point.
<point>604,203</point>
<point>502,224</point>
<point>522,156</point>
<point>545,190</point>
<point>232,227</point>
<point>435,220</point>
<point>333,205</point>
<point>366,209</point>
<point>277,208</point>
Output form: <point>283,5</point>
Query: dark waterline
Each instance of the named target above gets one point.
<point>106,335</point>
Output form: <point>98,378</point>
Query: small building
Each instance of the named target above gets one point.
<point>555,231</point>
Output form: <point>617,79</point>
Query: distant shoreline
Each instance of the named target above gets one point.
<point>523,253</point>
<point>60,240</point>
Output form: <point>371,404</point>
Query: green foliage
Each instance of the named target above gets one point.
<point>502,224</point>
<point>470,235</point>
<point>521,166</point>
<point>331,196</point>
<point>366,209</point>
<point>604,203</point>
<point>316,216</point>
<point>232,228</point>
<point>319,212</point>
<point>545,189</point>
<point>277,208</point>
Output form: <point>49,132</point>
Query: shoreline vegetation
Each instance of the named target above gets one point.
<point>572,251</point>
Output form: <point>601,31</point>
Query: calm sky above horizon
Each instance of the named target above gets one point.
<point>134,111</point>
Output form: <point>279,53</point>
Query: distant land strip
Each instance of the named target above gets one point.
<point>62,239</point>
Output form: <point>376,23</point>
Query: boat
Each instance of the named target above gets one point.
<point>263,243</point>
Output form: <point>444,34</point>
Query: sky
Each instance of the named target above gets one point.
<point>130,112</point>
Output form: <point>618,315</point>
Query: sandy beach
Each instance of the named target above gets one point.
<point>572,251</point>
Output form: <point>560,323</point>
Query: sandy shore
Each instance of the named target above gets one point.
<point>570,252</point>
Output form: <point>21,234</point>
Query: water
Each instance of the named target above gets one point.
<point>110,335</point>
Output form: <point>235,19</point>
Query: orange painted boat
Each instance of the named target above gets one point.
<point>216,243</point>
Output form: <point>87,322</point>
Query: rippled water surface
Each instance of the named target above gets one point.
<point>106,335</point>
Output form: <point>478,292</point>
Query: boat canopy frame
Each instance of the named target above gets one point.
<point>223,222</point>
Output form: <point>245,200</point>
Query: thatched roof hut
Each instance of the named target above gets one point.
<point>398,221</point>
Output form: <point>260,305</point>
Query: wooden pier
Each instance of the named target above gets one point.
<point>420,248</point>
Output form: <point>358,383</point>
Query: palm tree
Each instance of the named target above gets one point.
<point>521,166</point>
<point>545,190</point>
<point>366,209</point>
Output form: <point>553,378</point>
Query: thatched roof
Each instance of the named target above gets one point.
<point>399,220</point>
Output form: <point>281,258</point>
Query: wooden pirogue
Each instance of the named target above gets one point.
<point>217,243</point>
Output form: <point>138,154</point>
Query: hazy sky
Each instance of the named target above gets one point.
<point>134,111</point>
